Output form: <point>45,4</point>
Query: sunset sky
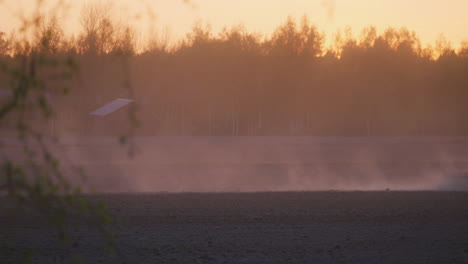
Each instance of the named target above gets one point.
<point>429,18</point>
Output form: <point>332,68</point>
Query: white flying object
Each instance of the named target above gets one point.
<point>111,107</point>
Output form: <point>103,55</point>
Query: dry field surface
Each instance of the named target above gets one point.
<point>270,227</point>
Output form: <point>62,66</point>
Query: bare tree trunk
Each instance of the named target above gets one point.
<point>423,128</point>
<point>235,120</point>
<point>210,121</point>
<point>369,128</point>
<point>233,123</point>
<point>182,120</point>
<point>259,118</point>
<point>237,124</point>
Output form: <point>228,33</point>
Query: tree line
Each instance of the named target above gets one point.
<point>237,83</point>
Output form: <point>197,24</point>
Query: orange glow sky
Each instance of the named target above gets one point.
<point>429,18</point>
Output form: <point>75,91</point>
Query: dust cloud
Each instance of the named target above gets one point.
<point>251,164</point>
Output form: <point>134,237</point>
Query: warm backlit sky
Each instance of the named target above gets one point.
<point>429,18</point>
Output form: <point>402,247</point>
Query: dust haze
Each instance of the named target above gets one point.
<point>251,164</point>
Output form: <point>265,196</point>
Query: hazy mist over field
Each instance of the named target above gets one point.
<point>246,164</point>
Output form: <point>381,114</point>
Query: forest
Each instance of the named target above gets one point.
<point>239,83</point>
